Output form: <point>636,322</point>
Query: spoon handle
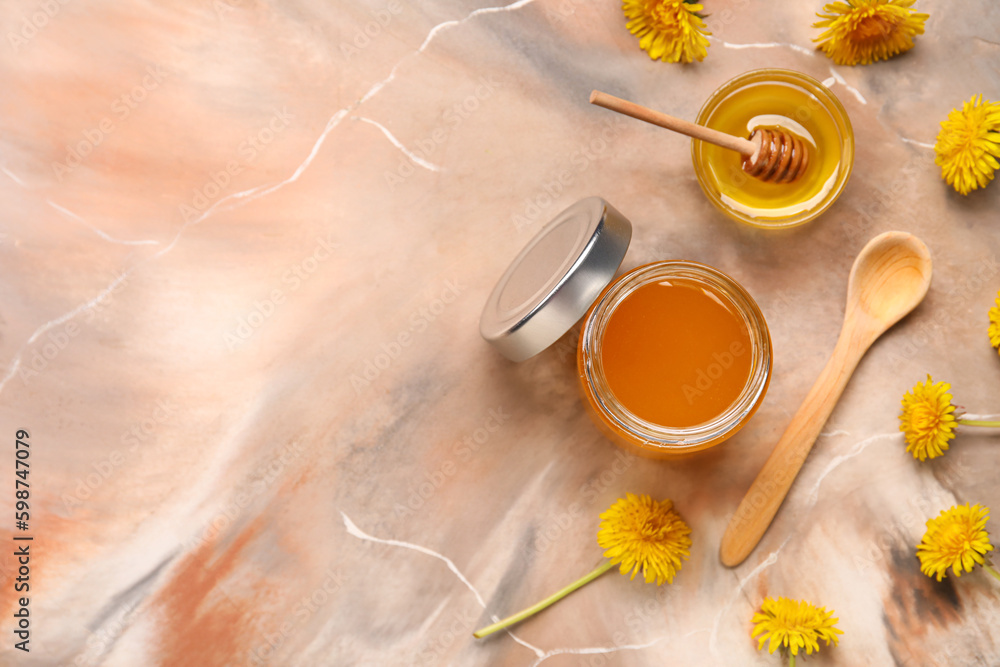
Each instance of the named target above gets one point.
<point>744,147</point>
<point>769,489</point>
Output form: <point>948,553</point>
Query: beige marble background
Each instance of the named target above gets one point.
<point>244,247</point>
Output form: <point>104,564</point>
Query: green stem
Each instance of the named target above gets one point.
<point>791,660</point>
<point>979,422</point>
<point>534,609</point>
<point>991,570</point>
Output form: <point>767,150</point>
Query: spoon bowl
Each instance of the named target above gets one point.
<point>889,278</point>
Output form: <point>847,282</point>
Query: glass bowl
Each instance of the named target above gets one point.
<point>796,103</point>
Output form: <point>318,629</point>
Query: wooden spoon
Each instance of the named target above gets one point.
<point>772,155</point>
<point>889,278</point>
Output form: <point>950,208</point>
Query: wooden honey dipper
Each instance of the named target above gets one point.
<point>773,156</point>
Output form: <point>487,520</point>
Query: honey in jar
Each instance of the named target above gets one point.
<point>674,357</point>
<point>675,353</point>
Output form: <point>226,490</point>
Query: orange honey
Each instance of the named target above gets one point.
<point>674,357</point>
<point>674,353</point>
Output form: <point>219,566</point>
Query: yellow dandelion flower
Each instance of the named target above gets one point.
<point>956,538</point>
<point>670,30</point>
<point>968,145</point>
<point>994,330</point>
<point>793,625</point>
<point>866,31</point>
<point>638,532</point>
<point>643,534</point>
<point>928,419</point>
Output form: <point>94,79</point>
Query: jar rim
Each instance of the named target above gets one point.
<point>657,437</point>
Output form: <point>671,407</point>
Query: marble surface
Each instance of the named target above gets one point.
<point>244,250</point>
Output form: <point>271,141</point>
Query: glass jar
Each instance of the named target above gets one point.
<point>796,103</point>
<point>674,357</point>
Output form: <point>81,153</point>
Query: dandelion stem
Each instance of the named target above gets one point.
<point>989,568</point>
<point>791,660</point>
<point>979,422</point>
<point>555,597</point>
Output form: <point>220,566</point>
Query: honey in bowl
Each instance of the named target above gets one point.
<point>797,105</point>
<point>673,358</point>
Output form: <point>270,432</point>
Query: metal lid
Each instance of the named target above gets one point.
<point>554,280</point>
